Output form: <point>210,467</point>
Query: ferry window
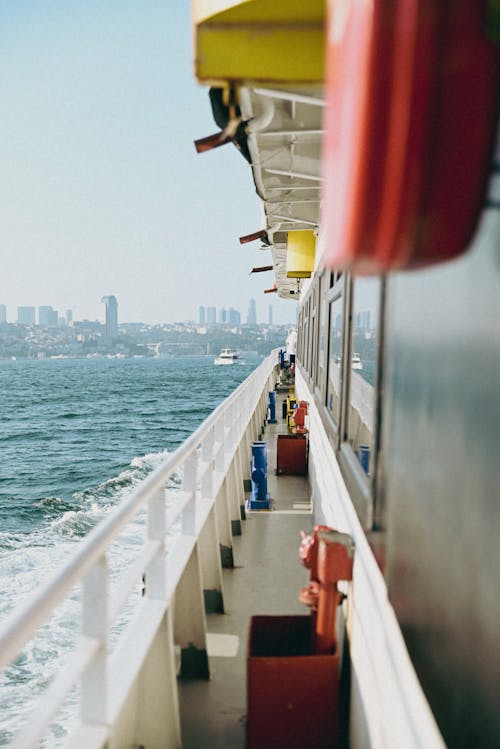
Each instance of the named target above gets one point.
<point>305,352</point>
<point>364,344</point>
<point>323,311</point>
<point>312,335</point>
<point>335,357</point>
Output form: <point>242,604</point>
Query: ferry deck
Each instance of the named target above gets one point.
<point>213,712</point>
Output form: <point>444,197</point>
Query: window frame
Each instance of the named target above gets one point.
<point>363,488</point>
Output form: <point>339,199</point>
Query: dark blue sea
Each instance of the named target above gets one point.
<point>76,436</point>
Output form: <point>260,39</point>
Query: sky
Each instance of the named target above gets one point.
<point>101,189</point>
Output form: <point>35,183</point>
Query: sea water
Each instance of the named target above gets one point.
<point>76,436</point>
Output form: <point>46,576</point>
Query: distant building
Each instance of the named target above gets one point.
<point>211,315</point>
<point>234,317</point>
<point>362,320</point>
<point>223,316</point>
<point>47,317</point>
<point>3,313</point>
<point>111,317</point>
<point>252,313</point>
<point>69,316</point>
<point>270,315</point>
<point>26,315</point>
<point>202,318</point>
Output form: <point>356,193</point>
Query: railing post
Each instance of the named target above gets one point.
<point>239,481</point>
<point>255,426</point>
<point>207,456</point>
<point>220,456</point>
<point>156,576</point>
<point>240,436</point>
<point>245,450</point>
<point>245,464</point>
<point>190,621</point>
<point>94,700</point>
<point>211,566</point>
<point>210,555</point>
<point>234,500</point>
<point>158,721</point>
<point>231,487</point>
<point>263,407</point>
<point>190,485</point>
<point>224,527</point>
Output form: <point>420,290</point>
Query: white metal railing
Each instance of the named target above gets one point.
<point>213,464</point>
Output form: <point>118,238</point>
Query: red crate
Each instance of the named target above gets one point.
<point>291,454</point>
<point>292,694</point>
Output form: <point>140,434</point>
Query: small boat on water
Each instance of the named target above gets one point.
<point>226,357</point>
<point>356,362</point>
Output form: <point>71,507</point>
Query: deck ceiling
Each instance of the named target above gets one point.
<point>284,139</point>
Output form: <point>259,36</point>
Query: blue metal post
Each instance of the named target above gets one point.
<point>259,499</point>
<point>272,408</point>
<point>364,458</point>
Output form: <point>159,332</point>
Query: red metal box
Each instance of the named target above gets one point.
<point>291,454</point>
<point>292,694</point>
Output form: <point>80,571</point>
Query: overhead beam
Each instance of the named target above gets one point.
<point>298,175</point>
<point>294,220</point>
<point>294,133</point>
<point>292,201</point>
<point>294,187</point>
<point>314,101</point>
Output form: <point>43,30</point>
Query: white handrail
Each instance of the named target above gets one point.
<point>91,551</point>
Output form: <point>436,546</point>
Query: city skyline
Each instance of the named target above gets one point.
<point>47,315</point>
<point>101,186</point>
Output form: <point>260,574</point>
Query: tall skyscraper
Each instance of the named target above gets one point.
<point>252,313</point>
<point>111,317</point>
<point>26,315</point>
<point>234,317</point>
<point>223,315</point>
<point>270,315</point>
<point>211,315</point>
<point>47,316</point>
<point>69,316</point>
<point>202,315</point>
<point>3,313</point>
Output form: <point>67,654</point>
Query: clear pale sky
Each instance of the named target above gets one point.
<point>101,190</point>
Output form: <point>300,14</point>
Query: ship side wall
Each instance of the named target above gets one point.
<point>440,468</point>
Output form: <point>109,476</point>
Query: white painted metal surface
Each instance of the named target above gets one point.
<point>388,707</point>
<point>128,697</point>
<point>284,141</point>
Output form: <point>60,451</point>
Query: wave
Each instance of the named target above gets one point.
<point>73,523</point>
<point>115,487</point>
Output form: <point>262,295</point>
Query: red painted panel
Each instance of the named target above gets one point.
<point>410,117</point>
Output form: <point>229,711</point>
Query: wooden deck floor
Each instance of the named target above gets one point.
<point>265,580</point>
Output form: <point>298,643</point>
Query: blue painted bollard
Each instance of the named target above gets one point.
<point>259,499</point>
<point>364,458</point>
<point>272,408</point>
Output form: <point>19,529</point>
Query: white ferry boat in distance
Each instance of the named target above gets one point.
<point>226,356</point>
<point>356,362</point>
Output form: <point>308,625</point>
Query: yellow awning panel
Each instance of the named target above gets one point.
<point>300,254</point>
<point>259,41</point>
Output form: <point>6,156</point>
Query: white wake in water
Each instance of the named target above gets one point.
<point>27,561</point>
